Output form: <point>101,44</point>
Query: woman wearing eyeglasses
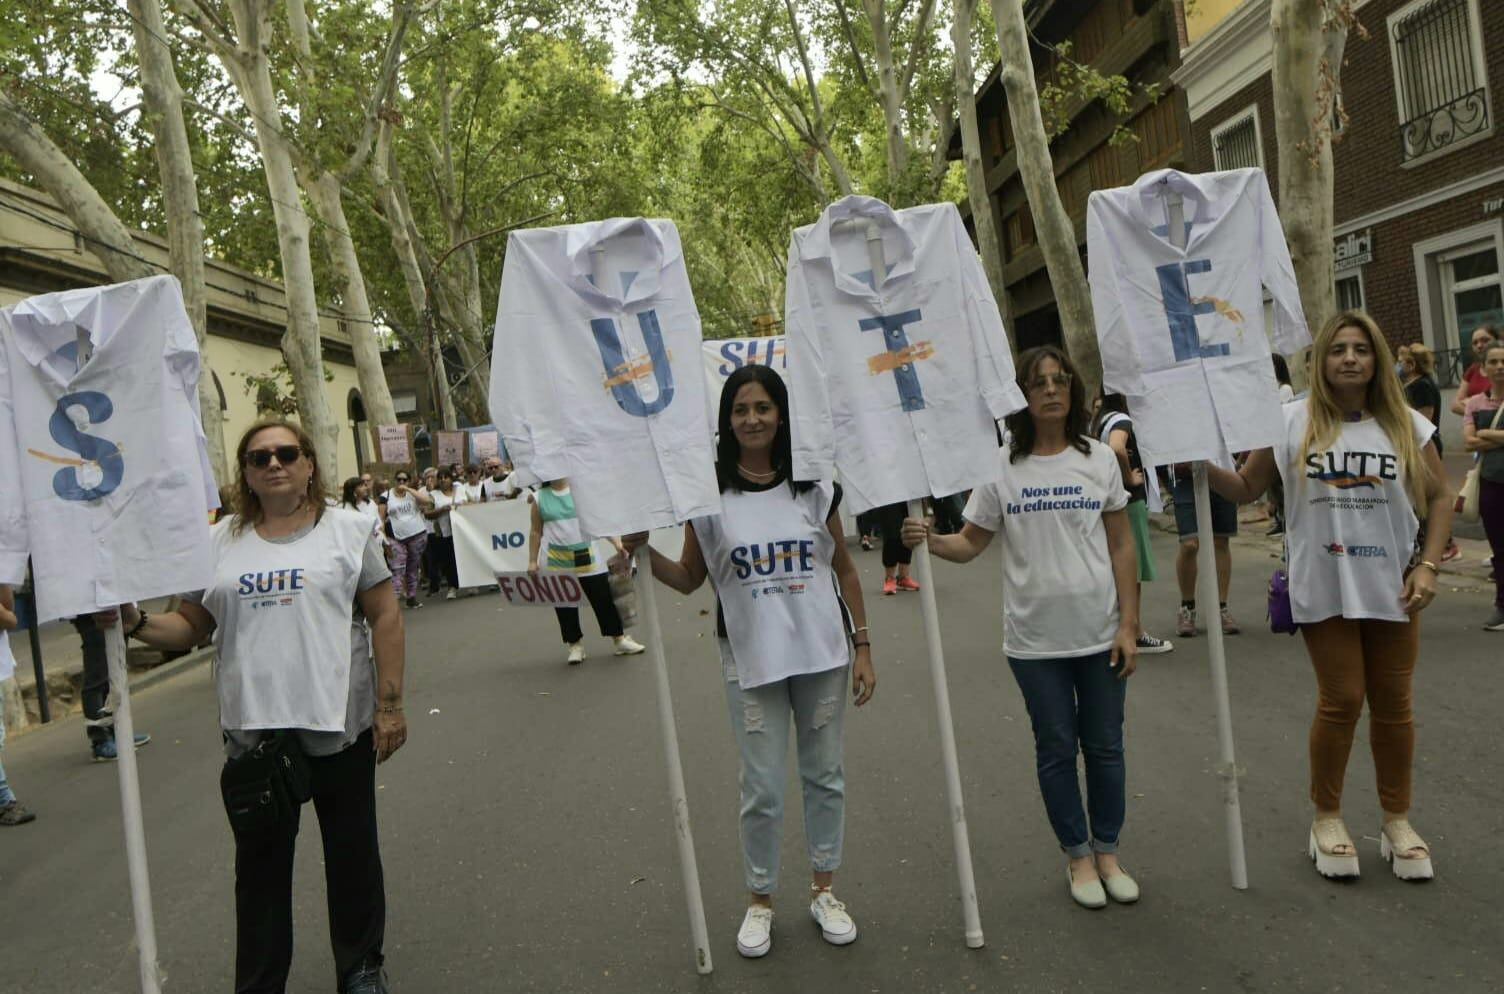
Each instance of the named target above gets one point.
<point>402,510</point>
<point>298,606</point>
<point>1070,582</point>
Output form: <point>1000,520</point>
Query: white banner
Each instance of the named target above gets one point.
<point>544,590</point>
<point>724,356</point>
<point>490,540</point>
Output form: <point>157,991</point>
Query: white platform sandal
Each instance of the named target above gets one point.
<point>1396,840</point>
<point>1327,834</point>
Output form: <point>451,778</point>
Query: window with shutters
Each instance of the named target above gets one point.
<point>1350,292</point>
<point>1237,143</point>
<point>1439,77</point>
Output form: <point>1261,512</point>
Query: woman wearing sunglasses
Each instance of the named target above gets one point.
<point>1070,632</point>
<point>298,606</point>
<point>402,511</point>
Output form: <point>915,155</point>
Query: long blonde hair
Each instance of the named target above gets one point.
<point>1385,401</point>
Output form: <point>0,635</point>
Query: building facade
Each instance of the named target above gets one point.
<point>42,252</point>
<point>1137,39</point>
<point>1419,161</point>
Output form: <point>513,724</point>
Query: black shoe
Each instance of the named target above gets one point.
<point>368,978</point>
<point>413,602</point>
<point>15,813</point>
<point>1278,528</point>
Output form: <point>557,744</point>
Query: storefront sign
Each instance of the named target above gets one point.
<point>1356,249</point>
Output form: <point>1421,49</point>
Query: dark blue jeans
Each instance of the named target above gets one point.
<point>1076,704</point>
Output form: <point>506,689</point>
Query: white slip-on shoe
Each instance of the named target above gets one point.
<point>628,646</point>
<point>834,921</point>
<point>1121,887</point>
<point>1396,839</point>
<point>755,937</point>
<point>1088,895</point>
<point>576,653</point>
<point>1326,835</point>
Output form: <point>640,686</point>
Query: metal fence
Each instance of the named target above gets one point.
<point>1440,84</point>
<point>1450,364</point>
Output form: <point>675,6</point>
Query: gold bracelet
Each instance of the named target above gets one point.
<point>389,708</point>
<point>1435,570</point>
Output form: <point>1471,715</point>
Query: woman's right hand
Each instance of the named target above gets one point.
<point>631,543</point>
<point>915,531</point>
<point>127,614</point>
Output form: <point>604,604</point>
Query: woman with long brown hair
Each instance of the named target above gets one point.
<point>1360,471</point>
<point>298,606</point>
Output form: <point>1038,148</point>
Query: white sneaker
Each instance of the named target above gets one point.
<point>451,595</point>
<point>755,937</point>
<point>576,653</point>
<point>835,924</point>
<point>628,646</point>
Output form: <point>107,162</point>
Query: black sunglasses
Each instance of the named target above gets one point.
<point>402,479</point>
<point>262,458</point>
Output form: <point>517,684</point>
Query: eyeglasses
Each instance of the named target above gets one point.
<point>402,479</point>
<point>262,458</point>
<point>1040,383</point>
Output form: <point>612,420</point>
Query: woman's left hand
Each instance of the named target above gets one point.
<point>1124,657</point>
<point>389,732</point>
<point>1420,590</point>
<point>863,677</point>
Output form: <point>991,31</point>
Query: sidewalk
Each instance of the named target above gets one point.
<point>63,665</point>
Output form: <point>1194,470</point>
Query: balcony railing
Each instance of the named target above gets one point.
<point>1442,89</point>
<point>1445,125</point>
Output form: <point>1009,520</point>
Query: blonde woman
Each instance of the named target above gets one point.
<point>1358,465</point>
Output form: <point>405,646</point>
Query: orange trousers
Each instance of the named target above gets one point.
<point>1357,660</point>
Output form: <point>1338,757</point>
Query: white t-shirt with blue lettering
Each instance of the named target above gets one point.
<point>1349,522</point>
<point>1059,597</point>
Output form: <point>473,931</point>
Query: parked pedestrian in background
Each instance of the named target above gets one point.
<point>1483,433</point>
<point>1418,364</point>
<point>1474,381</point>
<point>556,544</point>
<point>470,491</point>
<point>897,557</point>
<point>784,652</point>
<point>402,513</point>
<point>1357,470</point>
<point>1114,428</point>
<point>99,719</point>
<point>1187,568</point>
<point>441,540</point>
<point>356,496</point>
<point>1071,626</point>
<point>12,811</point>
<point>298,662</point>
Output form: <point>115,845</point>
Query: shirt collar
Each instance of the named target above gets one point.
<point>581,239</point>
<point>47,326</point>
<point>1148,207</point>
<point>817,245</point>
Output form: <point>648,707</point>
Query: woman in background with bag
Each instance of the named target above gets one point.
<point>1358,464</point>
<point>1481,434</point>
<point>304,712</point>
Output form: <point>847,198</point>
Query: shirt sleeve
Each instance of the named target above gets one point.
<point>996,378</point>
<point>14,537</point>
<point>1115,496</point>
<point>810,427</point>
<point>1120,366</point>
<point>985,508</point>
<point>373,567</point>
<point>1289,332</point>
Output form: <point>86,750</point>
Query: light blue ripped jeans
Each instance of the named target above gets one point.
<point>760,718</point>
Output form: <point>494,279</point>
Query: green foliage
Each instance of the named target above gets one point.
<point>274,391</point>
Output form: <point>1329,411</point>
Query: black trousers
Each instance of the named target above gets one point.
<point>96,688</point>
<point>866,524</point>
<point>441,562</point>
<point>598,589</point>
<point>344,796</point>
<point>894,552</point>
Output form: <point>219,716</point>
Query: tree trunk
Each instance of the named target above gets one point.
<point>890,94</point>
<point>163,97</point>
<point>301,344</point>
<point>326,195</point>
<point>1056,233</point>
<point>1309,38</point>
<point>988,245</point>
<point>35,153</point>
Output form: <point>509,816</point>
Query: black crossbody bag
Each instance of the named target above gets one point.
<point>264,788</point>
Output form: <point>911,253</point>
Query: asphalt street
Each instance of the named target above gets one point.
<point>527,838</point>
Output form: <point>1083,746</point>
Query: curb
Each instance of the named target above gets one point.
<point>165,672</point>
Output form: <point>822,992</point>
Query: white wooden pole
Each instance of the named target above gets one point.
<point>130,812</point>
<point>679,799</point>
<point>955,807</point>
<point>647,596</point>
<point>1209,598</point>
